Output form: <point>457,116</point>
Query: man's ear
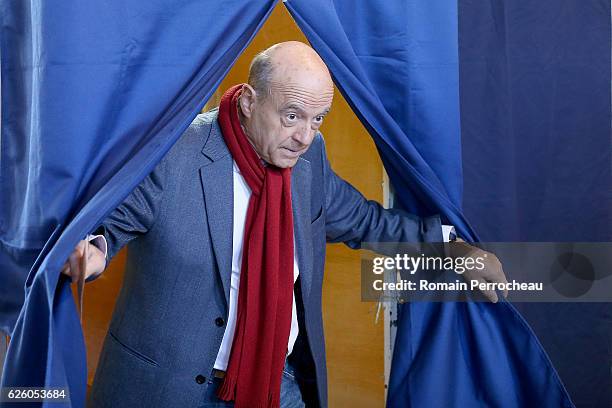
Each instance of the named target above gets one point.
<point>247,100</point>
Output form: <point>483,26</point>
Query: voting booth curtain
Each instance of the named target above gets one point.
<point>537,146</point>
<point>93,95</point>
<point>397,64</point>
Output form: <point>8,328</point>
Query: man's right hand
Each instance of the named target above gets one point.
<point>95,263</point>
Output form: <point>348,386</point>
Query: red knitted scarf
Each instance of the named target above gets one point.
<point>265,295</point>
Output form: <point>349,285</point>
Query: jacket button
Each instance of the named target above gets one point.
<point>200,379</point>
<point>219,321</point>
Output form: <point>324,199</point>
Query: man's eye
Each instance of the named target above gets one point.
<point>319,119</point>
<point>291,116</point>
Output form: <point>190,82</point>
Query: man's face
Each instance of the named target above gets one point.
<point>282,126</point>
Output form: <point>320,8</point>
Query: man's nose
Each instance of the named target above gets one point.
<point>303,135</point>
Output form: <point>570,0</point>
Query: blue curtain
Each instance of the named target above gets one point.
<point>397,65</point>
<point>536,115</point>
<point>93,95</point>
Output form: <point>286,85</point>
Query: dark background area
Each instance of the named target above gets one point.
<point>537,144</point>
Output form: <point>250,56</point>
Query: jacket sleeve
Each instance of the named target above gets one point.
<point>352,219</point>
<point>137,214</point>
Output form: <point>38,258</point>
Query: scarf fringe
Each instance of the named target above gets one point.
<point>227,392</point>
<point>273,401</point>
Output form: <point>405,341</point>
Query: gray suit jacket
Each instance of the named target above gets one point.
<point>170,316</point>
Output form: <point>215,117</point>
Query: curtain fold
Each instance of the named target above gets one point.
<point>93,96</point>
<point>536,138</point>
<point>396,63</point>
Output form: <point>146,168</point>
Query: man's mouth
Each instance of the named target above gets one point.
<point>293,153</point>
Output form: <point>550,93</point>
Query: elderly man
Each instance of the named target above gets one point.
<point>221,302</point>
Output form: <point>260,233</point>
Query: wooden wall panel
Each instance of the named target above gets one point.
<point>98,303</point>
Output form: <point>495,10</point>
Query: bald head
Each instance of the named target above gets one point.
<point>286,62</point>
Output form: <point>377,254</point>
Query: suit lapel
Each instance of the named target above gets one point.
<point>217,184</point>
<point>218,187</point>
<point>300,200</point>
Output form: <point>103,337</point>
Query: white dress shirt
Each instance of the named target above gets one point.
<point>242,193</point>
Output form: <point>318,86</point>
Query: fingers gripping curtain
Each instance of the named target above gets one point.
<point>397,65</point>
<point>93,95</point>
